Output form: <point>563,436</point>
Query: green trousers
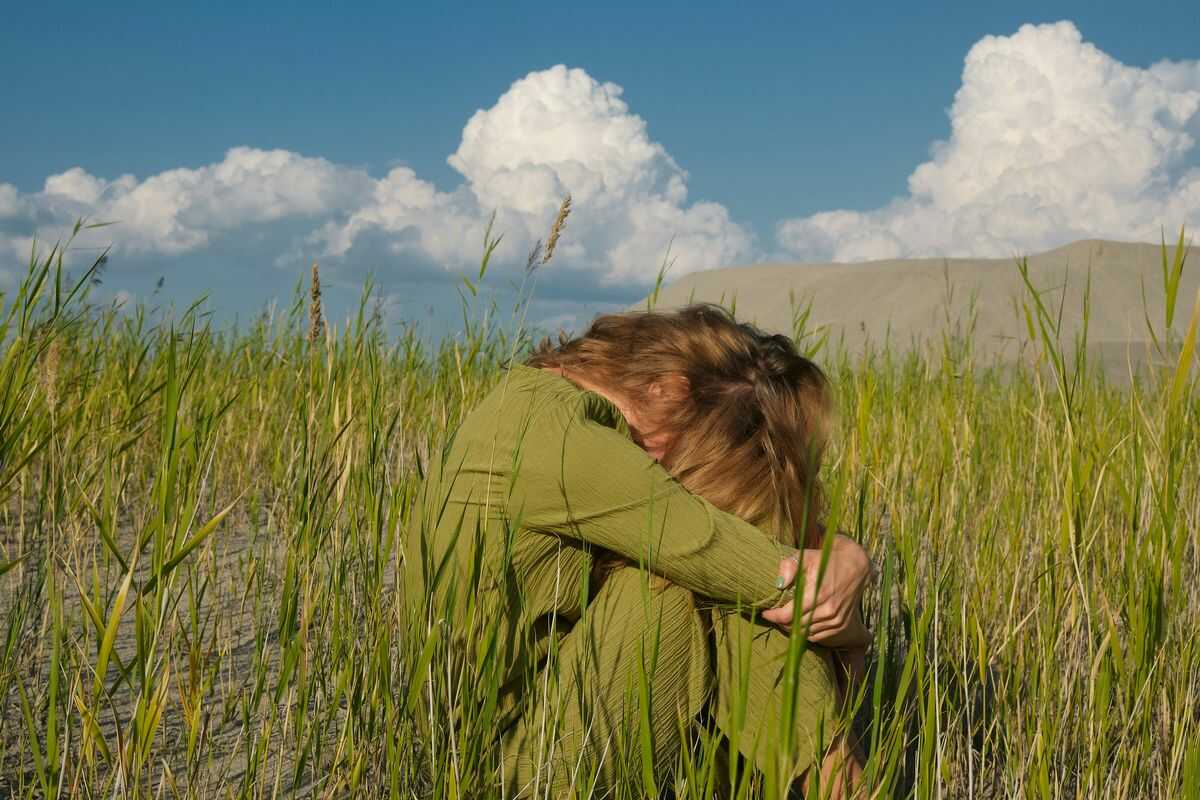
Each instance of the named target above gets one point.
<point>621,695</point>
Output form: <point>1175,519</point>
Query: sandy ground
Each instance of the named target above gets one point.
<point>237,603</point>
<point>913,302</point>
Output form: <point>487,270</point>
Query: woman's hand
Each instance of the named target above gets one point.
<point>830,605</point>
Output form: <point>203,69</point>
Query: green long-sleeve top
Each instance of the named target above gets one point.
<point>536,478</point>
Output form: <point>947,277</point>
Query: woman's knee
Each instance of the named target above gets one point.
<point>638,642</point>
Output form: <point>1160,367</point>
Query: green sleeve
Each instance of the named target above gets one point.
<point>578,478</point>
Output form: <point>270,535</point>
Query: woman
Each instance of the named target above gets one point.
<point>617,519</point>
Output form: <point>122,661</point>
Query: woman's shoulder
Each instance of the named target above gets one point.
<point>528,386</point>
<point>551,392</point>
<point>522,398</point>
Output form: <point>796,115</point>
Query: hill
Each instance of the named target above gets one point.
<point>911,302</point>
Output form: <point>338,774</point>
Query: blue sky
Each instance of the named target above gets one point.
<point>737,134</point>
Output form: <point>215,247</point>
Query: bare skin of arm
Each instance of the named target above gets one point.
<point>830,608</point>
<point>841,772</point>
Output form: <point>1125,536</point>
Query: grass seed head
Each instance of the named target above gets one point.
<point>316,321</point>
<point>48,374</point>
<point>556,229</point>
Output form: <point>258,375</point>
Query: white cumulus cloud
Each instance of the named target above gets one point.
<point>412,216</point>
<point>555,132</point>
<point>179,210</point>
<point>10,201</point>
<point>1051,140</point>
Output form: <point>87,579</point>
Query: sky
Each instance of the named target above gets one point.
<point>231,146</point>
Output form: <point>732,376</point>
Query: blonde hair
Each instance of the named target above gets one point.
<point>747,417</point>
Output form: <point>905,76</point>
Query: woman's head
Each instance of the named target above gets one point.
<point>735,414</point>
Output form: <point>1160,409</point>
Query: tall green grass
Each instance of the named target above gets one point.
<point>200,540</point>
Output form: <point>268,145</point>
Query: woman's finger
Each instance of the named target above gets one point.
<point>819,610</point>
<point>832,622</point>
<point>831,625</point>
<point>779,616</point>
<point>851,634</point>
<point>788,567</point>
<point>815,602</point>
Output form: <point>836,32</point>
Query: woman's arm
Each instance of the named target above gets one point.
<point>582,479</point>
<point>592,483</point>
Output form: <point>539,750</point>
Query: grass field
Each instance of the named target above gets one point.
<point>199,552</point>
